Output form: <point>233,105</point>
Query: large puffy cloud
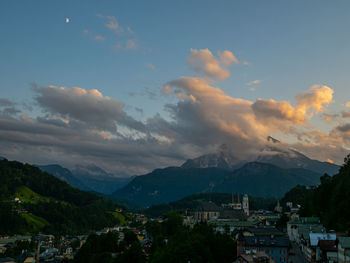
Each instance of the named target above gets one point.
<point>210,116</point>
<point>315,99</point>
<point>311,102</point>
<point>277,111</point>
<point>205,62</point>
<point>243,124</point>
<point>88,106</point>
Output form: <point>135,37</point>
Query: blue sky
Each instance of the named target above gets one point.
<point>284,46</point>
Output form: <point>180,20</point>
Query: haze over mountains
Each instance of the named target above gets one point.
<point>90,178</point>
<point>270,173</point>
<point>274,152</point>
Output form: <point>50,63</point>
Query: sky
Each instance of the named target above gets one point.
<point>132,86</point>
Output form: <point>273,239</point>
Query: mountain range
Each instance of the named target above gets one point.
<point>274,152</point>
<point>258,179</point>
<point>87,178</point>
<point>272,172</point>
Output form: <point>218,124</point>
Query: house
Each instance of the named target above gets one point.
<point>275,247</point>
<point>312,251</point>
<point>344,250</point>
<point>2,249</point>
<point>254,257</point>
<point>328,250</point>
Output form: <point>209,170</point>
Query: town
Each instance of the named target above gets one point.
<point>258,234</point>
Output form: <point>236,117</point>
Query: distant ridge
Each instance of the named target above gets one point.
<point>90,178</point>
<point>64,174</point>
<point>258,179</point>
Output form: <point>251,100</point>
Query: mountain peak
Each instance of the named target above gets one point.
<point>271,139</point>
<point>223,158</point>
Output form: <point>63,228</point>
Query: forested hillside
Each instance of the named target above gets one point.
<point>32,200</point>
<point>330,200</point>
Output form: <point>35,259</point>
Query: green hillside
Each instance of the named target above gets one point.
<point>32,200</point>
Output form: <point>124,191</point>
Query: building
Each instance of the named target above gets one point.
<point>274,247</point>
<point>207,211</point>
<point>254,257</point>
<point>295,225</point>
<point>232,211</point>
<point>245,204</point>
<point>278,208</point>
<point>328,250</point>
<point>312,249</point>
<point>344,250</point>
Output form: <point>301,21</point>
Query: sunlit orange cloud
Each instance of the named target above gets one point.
<point>203,61</point>
<point>314,100</point>
<point>245,118</point>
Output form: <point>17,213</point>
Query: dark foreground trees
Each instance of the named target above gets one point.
<point>172,242</point>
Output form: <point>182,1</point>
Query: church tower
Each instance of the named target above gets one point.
<point>245,204</point>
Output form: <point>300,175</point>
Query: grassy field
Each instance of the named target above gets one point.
<point>120,217</point>
<point>27,195</point>
<point>37,223</point>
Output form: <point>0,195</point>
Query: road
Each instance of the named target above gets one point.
<point>298,257</point>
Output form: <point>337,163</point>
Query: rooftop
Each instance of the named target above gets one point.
<point>305,220</point>
<point>328,245</point>
<point>266,241</point>
<point>344,242</point>
<point>316,237</point>
<point>208,207</point>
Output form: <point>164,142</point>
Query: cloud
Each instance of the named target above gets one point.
<point>227,58</point>
<point>131,44</point>
<point>274,111</point>
<point>345,114</point>
<point>99,38</point>
<point>150,66</point>
<point>6,103</point>
<point>87,106</point>
<point>311,102</point>
<point>112,23</point>
<point>330,117</point>
<point>315,99</point>
<point>117,47</point>
<point>344,128</point>
<point>203,61</point>
<point>254,82</point>
<point>73,125</point>
<point>8,107</point>
<point>208,110</point>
